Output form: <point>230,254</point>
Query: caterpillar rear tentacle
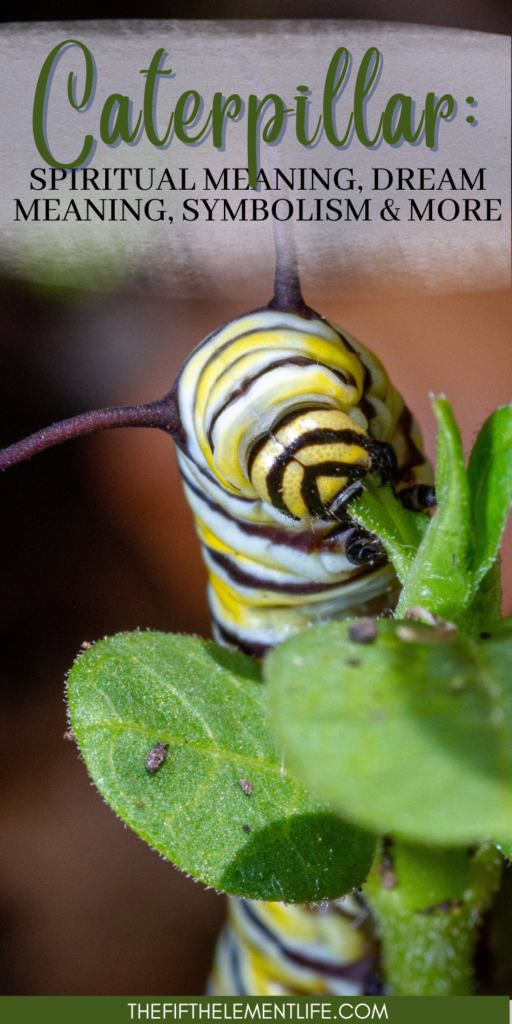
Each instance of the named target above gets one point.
<point>278,417</point>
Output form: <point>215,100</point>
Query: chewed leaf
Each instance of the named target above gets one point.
<point>440,579</point>
<point>490,483</point>
<point>195,710</point>
<point>400,531</point>
<point>409,735</point>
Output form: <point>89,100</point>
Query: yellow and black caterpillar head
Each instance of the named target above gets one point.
<point>314,462</point>
<point>292,411</point>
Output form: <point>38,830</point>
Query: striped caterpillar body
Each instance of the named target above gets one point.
<point>277,949</point>
<point>282,418</point>
<point>278,417</point>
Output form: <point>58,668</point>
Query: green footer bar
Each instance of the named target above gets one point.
<point>125,1009</point>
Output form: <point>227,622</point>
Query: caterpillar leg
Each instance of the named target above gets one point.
<point>418,498</point>
<point>362,547</point>
<point>278,949</point>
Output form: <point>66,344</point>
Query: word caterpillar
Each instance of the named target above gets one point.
<point>278,417</point>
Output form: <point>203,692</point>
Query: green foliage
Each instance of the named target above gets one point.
<point>446,563</point>
<point>400,531</point>
<point>440,574</point>
<point>130,692</point>
<point>408,735</point>
<point>490,485</point>
<point>428,902</point>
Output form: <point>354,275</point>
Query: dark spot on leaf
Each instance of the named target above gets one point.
<point>246,828</point>
<point>353,661</point>
<point>157,756</point>
<point>364,631</point>
<point>486,636</point>
<point>69,735</point>
<point>140,803</point>
<point>246,786</point>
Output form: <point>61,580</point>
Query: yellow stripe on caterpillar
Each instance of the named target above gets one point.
<point>329,486</point>
<point>270,399</point>
<point>279,480</point>
<point>211,540</point>
<point>316,419</point>
<point>316,380</point>
<point>291,489</point>
<point>317,454</point>
<point>242,604</point>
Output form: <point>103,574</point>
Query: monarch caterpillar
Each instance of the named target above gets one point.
<point>278,417</point>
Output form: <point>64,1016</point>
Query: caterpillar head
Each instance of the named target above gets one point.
<point>312,463</point>
<point>272,406</point>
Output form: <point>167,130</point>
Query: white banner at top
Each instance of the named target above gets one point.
<point>167,149</point>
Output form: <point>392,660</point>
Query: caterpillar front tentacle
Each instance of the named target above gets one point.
<point>162,414</point>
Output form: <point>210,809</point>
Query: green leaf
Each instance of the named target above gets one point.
<point>490,484</point>
<point>428,913</point>
<point>130,692</point>
<point>409,735</point>
<point>400,531</point>
<point>439,579</point>
<point>506,849</point>
<point>484,606</point>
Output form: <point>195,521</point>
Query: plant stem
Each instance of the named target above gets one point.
<point>428,903</point>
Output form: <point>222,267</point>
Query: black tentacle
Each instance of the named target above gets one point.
<point>287,296</point>
<point>162,414</point>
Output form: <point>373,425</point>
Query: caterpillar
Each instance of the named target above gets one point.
<point>282,416</point>
<point>277,418</point>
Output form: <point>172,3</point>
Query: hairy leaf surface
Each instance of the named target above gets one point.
<point>409,735</point>
<point>490,484</point>
<point>439,579</point>
<point>130,692</point>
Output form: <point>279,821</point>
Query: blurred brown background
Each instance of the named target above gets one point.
<point>96,538</point>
